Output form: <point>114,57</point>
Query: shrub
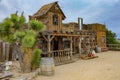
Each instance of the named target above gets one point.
<point>36,58</point>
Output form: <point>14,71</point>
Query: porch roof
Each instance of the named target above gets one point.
<point>79,33</point>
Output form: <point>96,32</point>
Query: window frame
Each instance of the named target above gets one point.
<point>55,19</point>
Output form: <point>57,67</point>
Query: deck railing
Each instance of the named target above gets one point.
<point>61,55</point>
<point>113,46</point>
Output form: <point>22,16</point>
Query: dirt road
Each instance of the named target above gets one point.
<point>106,67</point>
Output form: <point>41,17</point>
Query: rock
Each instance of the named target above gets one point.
<point>38,71</point>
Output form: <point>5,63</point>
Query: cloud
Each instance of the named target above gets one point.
<point>6,8</point>
<point>92,11</point>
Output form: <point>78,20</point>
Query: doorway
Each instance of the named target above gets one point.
<point>55,45</point>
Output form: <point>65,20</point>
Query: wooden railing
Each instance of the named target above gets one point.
<point>113,46</point>
<point>61,56</point>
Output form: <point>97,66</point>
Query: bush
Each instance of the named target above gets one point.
<point>36,58</point>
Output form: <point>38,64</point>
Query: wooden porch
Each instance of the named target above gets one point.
<point>63,55</point>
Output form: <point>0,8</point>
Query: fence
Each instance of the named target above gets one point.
<point>61,56</point>
<point>5,51</point>
<point>113,46</point>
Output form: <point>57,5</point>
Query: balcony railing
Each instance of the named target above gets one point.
<point>61,56</point>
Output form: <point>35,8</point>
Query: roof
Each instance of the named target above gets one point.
<point>44,9</point>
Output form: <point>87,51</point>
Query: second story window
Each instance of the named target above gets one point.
<point>55,19</point>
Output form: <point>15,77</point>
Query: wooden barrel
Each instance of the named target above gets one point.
<point>47,66</point>
<point>98,49</point>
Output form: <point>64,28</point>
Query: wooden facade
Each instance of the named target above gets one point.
<point>62,41</point>
<point>51,15</point>
<point>101,33</point>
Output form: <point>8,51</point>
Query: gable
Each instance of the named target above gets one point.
<point>49,7</point>
<point>56,9</point>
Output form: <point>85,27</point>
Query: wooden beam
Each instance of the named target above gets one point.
<point>51,38</point>
<point>69,35</point>
<point>45,38</point>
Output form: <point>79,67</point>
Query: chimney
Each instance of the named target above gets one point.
<point>80,23</point>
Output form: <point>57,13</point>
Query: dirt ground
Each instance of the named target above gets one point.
<point>106,67</point>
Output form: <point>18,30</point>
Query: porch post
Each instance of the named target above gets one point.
<point>48,45</point>
<point>79,46</point>
<point>71,55</point>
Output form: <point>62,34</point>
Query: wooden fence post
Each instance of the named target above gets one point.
<point>1,59</point>
<point>7,50</point>
<point>3,51</point>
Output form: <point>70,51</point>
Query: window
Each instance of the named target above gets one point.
<point>55,19</point>
<point>103,39</point>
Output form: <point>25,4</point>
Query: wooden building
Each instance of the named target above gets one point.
<point>101,33</point>
<point>51,15</point>
<point>61,41</point>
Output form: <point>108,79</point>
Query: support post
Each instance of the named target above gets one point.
<point>79,45</point>
<point>74,38</point>
<point>71,55</point>
<point>48,45</point>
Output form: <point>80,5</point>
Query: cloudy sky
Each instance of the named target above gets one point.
<point>92,11</point>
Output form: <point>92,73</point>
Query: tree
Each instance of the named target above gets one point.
<point>6,29</point>
<point>111,37</point>
<point>28,40</point>
<point>10,25</point>
<point>13,28</point>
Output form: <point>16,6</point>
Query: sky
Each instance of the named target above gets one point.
<point>92,11</point>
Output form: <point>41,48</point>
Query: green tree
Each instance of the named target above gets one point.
<point>13,29</point>
<point>5,28</point>
<point>111,37</point>
<point>28,39</point>
<point>10,25</point>
<point>36,25</point>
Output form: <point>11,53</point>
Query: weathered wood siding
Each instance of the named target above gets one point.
<point>101,32</point>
